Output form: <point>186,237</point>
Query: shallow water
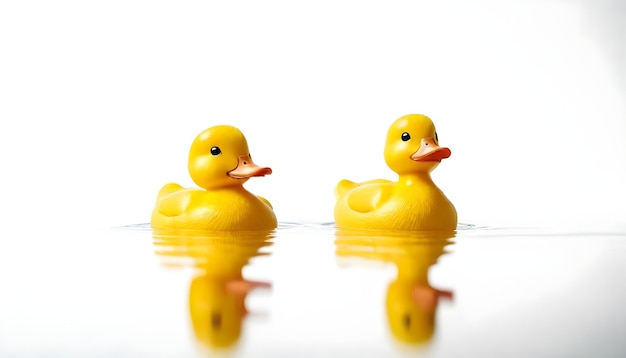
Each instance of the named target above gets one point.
<point>308,290</point>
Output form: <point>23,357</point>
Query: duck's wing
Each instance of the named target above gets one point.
<point>167,189</point>
<point>345,185</point>
<point>370,196</point>
<point>174,203</point>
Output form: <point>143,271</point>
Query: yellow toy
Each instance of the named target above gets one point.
<point>220,163</point>
<point>414,203</point>
<point>411,302</point>
<point>217,294</point>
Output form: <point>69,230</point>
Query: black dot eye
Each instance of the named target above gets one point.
<point>216,150</point>
<point>436,137</point>
<point>406,320</point>
<point>405,136</point>
<point>216,319</point>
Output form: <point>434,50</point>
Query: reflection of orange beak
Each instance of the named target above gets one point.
<point>430,152</point>
<point>247,169</point>
<point>427,297</point>
<point>243,287</point>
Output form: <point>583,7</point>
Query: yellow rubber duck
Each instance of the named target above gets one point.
<point>414,203</point>
<point>217,294</point>
<point>411,302</point>
<point>219,163</point>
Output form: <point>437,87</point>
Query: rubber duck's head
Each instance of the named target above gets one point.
<point>216,314</point>
<point>412,145</point>
<point>219,157</point>
<point>411,314</point>
<point>411,302</point>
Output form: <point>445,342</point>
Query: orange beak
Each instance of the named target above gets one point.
<point>430,152</point>
<point>247,169</point>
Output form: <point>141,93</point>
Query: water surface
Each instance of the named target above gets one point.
<point>309,290</point>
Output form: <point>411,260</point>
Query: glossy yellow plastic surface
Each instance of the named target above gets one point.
<point>414,202</point>
<point>411,302</point>
<point>217,294</point>
<point>219,163</point>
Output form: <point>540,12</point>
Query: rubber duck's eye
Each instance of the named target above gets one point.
<point>405,136</point>
<point>436,137</point>
<point>216,318</point>
<point>406,320</point>
<point>216,150</point>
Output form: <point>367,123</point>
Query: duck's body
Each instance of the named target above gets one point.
<point>414,202</point>
<point>225,209</point>
<point>413,205</point>
<point>219,162</point>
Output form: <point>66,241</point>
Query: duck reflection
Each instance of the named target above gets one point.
<point>218,291</point>
<point>411,301</point>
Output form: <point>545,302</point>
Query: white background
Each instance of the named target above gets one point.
<point>101,100</point>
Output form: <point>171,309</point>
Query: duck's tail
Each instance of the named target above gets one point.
<point>343,187</point>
